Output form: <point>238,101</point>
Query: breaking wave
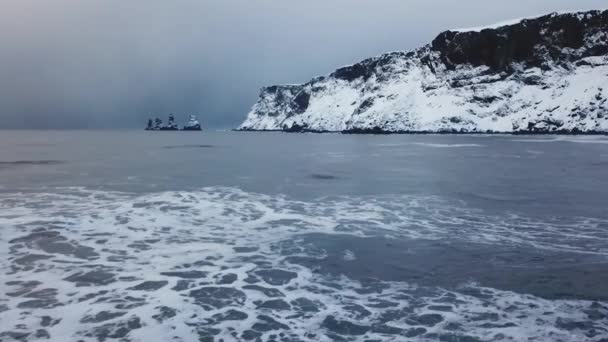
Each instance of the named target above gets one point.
<point>215,264</point>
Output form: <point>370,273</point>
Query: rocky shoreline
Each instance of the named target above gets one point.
<point>383,132</point>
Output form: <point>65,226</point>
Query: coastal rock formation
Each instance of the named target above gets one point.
<point>541,75</point>
<point>157,125</point>
<point>171,125</point>
<point>193,124</point>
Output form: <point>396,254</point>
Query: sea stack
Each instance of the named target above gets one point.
<point>193,124</point>
<point>171,125</point>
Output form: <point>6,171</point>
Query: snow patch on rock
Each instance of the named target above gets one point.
<point>548,74</point>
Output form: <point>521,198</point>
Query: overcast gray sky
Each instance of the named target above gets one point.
<point>113,63</point>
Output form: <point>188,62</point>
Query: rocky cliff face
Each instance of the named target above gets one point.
<point>542,75</point>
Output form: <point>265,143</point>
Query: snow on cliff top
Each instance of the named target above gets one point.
<point>515,21</point>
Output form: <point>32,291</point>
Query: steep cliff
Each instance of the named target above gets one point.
<point>540,75</point>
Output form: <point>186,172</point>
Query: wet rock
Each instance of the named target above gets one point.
<point>149,286</point>
<point>276,277</point>
<point>344,327</point>
<point>268,292</point>
<point>218,297</point>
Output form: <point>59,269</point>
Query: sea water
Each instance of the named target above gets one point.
<point>183,236</point>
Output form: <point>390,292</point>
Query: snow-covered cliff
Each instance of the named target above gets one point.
<point>545,74</point>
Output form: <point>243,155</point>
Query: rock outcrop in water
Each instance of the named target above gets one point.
<point>157,125</point>
<point>193,124</point>
<point>171,125</point>
<point>542,75</point>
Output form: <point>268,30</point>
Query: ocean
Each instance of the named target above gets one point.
<point>232,236</point>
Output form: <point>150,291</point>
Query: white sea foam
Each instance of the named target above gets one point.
<point>572,139</point>
<point>447,145</point>
<point>230,238</point>
<point>349,255</point>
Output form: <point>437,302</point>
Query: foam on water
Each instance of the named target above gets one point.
<point>447,145</point>
<point>594,139</point>
<point>89,265</point>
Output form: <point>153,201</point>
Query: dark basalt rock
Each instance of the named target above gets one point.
<point>300,102</point>
<point>353,72</point>
<point>524,42</point>
<point>295,128</point>
<point>364,106</point>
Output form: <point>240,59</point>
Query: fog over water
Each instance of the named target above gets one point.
<point>111,64</point>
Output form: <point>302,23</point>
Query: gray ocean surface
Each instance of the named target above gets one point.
<point>228,236</point>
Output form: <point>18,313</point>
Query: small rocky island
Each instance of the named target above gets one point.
<point>543,75</point>
<point>157,124</point>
